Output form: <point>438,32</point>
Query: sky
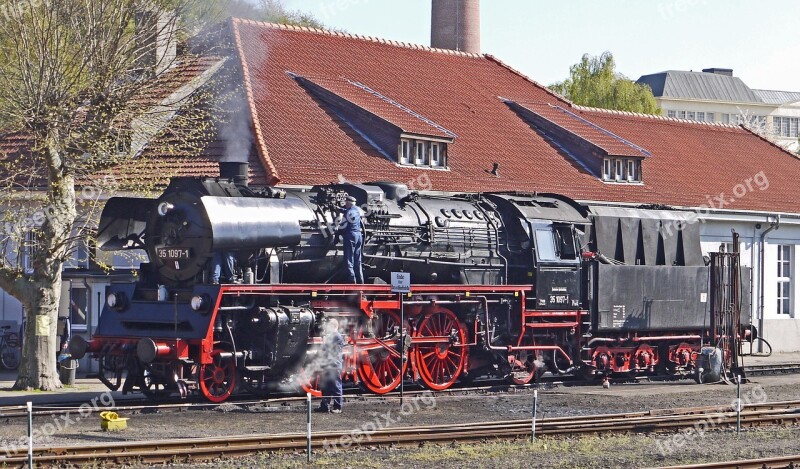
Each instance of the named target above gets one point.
<point>758,39</point>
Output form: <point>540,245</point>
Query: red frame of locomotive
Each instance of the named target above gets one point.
<point>436,358</point>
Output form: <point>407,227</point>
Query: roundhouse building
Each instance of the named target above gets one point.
<point>320,106</point>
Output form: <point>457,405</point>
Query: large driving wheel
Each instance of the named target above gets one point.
<point>218,378</point>
<point>380,368</point>
<point>440,364</point>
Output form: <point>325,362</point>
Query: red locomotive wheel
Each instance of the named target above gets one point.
<point>309,384</point>
<point>218,379</point>
<point>440,364</point>
<point>523,363</point>
<point>379,369</point>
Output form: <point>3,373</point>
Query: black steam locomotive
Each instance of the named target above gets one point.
<point>503,284</point>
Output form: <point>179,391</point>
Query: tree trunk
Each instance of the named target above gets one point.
<point>41,293</point>
<point>38,367</point>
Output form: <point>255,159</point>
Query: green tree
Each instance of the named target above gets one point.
<point>594,82</point>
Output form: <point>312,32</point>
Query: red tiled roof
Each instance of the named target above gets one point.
<point>303,142</point>
<point>165,156</point>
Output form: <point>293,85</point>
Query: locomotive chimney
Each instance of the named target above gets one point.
<point>456,25</point>
<point>234,170</point>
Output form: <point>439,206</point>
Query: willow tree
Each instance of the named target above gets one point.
<point>77,76</point>
<point>595,82</point>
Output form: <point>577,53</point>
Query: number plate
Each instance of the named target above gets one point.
<point>174,253</point>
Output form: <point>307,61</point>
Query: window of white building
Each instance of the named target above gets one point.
<point>785,280</point>
<point>78,305</point>
<point>700,116</point>
<point>785,126</point>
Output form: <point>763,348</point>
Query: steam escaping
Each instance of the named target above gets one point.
<point>236,129</point>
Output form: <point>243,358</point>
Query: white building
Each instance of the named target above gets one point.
<point>715,95</point>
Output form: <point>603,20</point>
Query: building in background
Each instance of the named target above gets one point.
<point>715,95</point>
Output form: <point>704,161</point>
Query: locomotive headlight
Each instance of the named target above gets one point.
<point>117,301</point>
<point>164,208</point>
<point>199,302</point>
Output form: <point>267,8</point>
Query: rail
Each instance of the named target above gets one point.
<point>209,448</point>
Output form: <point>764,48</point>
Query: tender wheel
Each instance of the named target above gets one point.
<point>524,368</point>
<point>379,369</point>
<point>218,379</point>
<point>440,364</point>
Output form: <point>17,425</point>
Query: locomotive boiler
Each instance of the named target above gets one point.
<point>504,284</point>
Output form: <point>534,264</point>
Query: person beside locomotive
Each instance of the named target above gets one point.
<point>352,239</point>
<point>331,372</point>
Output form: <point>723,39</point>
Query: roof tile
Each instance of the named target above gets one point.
<point>304,143</point>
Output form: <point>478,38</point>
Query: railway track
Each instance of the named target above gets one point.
<point>772,369</point>
<point>777,462</point>
<point>212,448</point>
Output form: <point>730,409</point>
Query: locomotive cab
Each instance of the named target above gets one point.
<point>541,236</point>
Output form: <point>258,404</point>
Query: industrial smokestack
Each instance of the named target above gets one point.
<point>456,25</point>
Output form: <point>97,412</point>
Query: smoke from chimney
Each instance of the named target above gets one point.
<point>456,25</point>
<point>236,127</point>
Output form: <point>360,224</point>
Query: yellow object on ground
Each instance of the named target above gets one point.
<point>111,422</point>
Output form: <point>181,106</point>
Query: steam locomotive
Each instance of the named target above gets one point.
<point>505,284</point>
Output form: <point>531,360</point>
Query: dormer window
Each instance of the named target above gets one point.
<point>608,156</point>
<point>622,170</point>
<point>426,153</point>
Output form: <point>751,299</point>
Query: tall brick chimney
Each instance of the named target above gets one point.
<point>456,25</point>
<point>156,41</point>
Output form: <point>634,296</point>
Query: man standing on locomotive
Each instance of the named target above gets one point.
<point>332,356</point>
<point>350,228</point>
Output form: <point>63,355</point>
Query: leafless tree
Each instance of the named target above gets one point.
<point>81,95</point>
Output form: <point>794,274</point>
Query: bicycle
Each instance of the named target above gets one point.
<point>10,353</point>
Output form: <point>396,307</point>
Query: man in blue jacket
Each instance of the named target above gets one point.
<point>350,228</point>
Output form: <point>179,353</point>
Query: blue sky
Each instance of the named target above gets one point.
<point>759,39</point>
